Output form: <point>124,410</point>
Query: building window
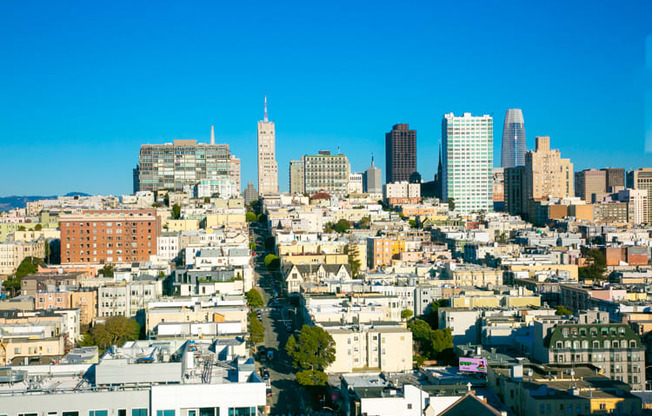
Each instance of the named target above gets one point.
<point>138,412</point>
<point>98,413</point>
<point>165,413</point>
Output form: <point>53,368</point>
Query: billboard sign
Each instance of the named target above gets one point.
<point>473,365</point>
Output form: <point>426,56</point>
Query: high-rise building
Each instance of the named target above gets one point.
<point>326,172</point>
<point>267,166</point>
<point>637,205</point>
<point>467,176</point>
<point>183,164</point>
<point>400,153</point>
<point>372,182</point>
<point>642,179</point>
<point>514,145</point>
<point>297,185</point>
<point>109,236</point>
<point>591,185</point>
<point>250,194</point>
<point>615,178</point>
<point>546,174</point>
<point>514,190</point>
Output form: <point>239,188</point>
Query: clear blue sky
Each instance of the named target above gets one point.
<point>85,83</point>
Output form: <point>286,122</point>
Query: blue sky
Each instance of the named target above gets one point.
<point>85,83</point>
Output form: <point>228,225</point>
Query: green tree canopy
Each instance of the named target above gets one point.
<point>272,262</point>
<point>596,266</point>
<point>413,224</point>
<point>116,330</point>
<point>176,211</point>
<point>451,204</point>
<point>341,226</point>
<point>562,310</point>
<point>250,216</point>
<point>256,329</point>
<point>365,223</point>
<point>430,342</point>
<point>313,349</point>
<point>28,266</point>
<point>270,242</point>
<point>254,299</point>
<point>38,227</point>
<point>107,271</point>
<point>252,246</point>
<point>406,314</point>
<point>351,250</point>
<point>312,378</point>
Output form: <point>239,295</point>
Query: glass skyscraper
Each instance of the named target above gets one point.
<point>514,147</point>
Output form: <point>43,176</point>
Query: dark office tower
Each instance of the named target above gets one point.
<point>615,178</point>
<point>400,153</point>
<point>513,150</point>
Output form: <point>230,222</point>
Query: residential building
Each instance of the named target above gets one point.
<point>127,298</point>
<point>14,252</point>
<point>468,162</point>
<point>381,251</point>
<point>217,188</point>
<point>372,179</point>
<point>382,346</point>
<point>297,185</point>
<point>326,172</point>
<point>400,153</point>
<point>514,188</point>
<point>109,236</point>
<point>637,205</point>
<point>499,189</point>
<point>183,163</point>
<point>355,183</point>
<point>514,143</point>
<point>267,166</point>
<point>402,193</point>
<point>250,194</point>
<point>591,185</point>
<point>642,179</point>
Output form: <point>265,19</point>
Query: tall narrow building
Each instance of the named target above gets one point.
<point>372,180</point>
<point>297,185</point>
<point>267,166</point>
<point>400,153</point>
<point>467,175</point>
<point>642,179</point>
<point>514,146</point>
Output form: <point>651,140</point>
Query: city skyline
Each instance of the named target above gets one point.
<point>90,113</point>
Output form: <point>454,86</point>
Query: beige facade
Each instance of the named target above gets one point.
<point>12,253</point>
<point>267,166</point>
<point>642,179</point>
<point>591,185</point>
<point>363,348</point>
<point>297,184</point>
<point>546,174</point>
<point>219,220</point>
<point>171,225</point>
<point>473,275</point>
<point>210,314</point>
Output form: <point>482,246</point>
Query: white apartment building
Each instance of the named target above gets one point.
<point>168,246</point>
<point>326,172</point>
<point>637,205</point>
<point>402,190</point>
<point>128,298</point>
<point>468,162</point>
<point>355,183</point>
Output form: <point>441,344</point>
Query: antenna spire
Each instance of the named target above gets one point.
<point>265,119</point>
<point>212,135</point>
<point>372,158</point>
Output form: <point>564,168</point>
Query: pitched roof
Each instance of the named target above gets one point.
<point>470,404</point>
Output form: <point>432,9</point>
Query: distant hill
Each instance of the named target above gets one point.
<point>15,201</point>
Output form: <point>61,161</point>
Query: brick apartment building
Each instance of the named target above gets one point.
<point>109,236</point>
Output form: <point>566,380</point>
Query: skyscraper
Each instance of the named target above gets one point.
<point>326,172</point>
<point>372,182</point>
<point>642,179</point>
<point>297,185</point>
<point>514,146</point>
<point>467,175</point>
<point>591,185</point>
<point>267,166</point>
<point>615,178</point>
<point>400,153</point>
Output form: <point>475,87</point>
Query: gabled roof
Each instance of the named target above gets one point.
<point>470,404</point>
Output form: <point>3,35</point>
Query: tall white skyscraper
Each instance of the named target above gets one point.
<point>267,166</point>
<point>467,175</point>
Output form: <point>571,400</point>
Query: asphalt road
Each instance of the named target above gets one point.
<point>288,397</point>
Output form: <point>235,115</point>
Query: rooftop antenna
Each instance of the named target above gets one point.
<point>265,119</point>
<point>372,158</point>
<point>338,149</point>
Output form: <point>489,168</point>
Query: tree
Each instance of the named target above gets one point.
<point>250,217</point>
<point>413,224</point>
<point>254,299</point>
<point>262,218</point>
<point>406,314</point>
<point>341,226</point>
<point>270,243</point>
<point>252,246</point>
<point>156,205</point>
<point>596,268</point>
<point>365,223</point>
<point>176,211</point>
<point>256,329</point>
<point>451,204</point>
<point>312,378</point>
<point>107,271</point>
<point>116,330</point>
<point>313,349</point>
<point>28,266</point>
<point>272,262</point>
<point>351,250</point>
<point>563,311</point>
<point>431,315</point>
<point>430,342</point>
<point>38,227</point>
<point>22,228</point>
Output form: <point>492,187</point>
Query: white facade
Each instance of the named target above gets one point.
<point>402,190</point>
<point>168,247</point>
<point>468,162</point>
<point>267,166</point>
<point>225,188</point>
<point>355,183</point>
<point>127,299</point>
<point>637,205</point>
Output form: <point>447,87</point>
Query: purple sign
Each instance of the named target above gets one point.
<point>474,365</point>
